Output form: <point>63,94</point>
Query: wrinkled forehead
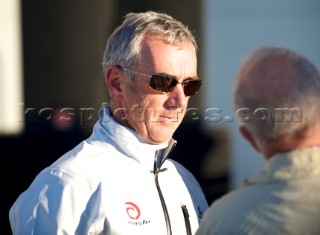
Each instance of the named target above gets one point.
<point>158,56</point>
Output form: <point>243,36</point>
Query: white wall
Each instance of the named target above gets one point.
<point>231,29</point>
<point>11,97</point>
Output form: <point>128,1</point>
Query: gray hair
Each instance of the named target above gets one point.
<point>277,93</point>
<point>124,45</point>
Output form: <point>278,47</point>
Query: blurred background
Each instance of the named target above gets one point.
<point>52,85</point>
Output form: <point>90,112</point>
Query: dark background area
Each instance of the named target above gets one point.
<point>63,43</point>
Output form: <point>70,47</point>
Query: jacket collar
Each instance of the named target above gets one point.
<point>293,165</point>
<point>128,141</point>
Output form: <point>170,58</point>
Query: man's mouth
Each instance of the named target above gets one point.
<point>167,119</point>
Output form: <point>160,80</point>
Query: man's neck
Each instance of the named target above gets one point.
<point>287,144</point>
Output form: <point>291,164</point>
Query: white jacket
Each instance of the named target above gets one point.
<point>284,199</point>
<point>110,184</point>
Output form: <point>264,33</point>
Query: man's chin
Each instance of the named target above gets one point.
<point>159,139</point>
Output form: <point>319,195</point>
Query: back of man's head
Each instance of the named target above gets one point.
<point>277,95</point>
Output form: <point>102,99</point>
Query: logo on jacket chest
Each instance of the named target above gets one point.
<point>134,213</point>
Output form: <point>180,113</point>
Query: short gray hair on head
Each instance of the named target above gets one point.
<point>124,45</point>
<point>279,82</point>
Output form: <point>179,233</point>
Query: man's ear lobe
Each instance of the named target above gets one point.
<point>113,78</point>
<point>247,135</point>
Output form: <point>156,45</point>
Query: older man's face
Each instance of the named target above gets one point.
<point>155,115</point>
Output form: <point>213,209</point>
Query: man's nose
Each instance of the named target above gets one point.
<point>177,97</point>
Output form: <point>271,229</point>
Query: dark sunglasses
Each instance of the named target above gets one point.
<point>166,83</point>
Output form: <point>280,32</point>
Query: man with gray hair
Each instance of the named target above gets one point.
<point>276,97</point>
<point>120,180</point>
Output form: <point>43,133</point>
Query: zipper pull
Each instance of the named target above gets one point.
<point>186,219</point>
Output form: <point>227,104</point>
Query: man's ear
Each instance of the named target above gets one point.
<point>247,135</point>
<point>113,78</point>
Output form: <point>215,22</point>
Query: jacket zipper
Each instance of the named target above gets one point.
<point>156,171</point>
<point>186,219</point>
<point>163,204</point>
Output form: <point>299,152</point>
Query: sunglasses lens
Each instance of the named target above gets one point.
<point>165,83</point>
<point>192,87</point>
<point>162,83</point>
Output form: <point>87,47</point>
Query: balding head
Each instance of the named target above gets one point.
<point>277,94</point>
